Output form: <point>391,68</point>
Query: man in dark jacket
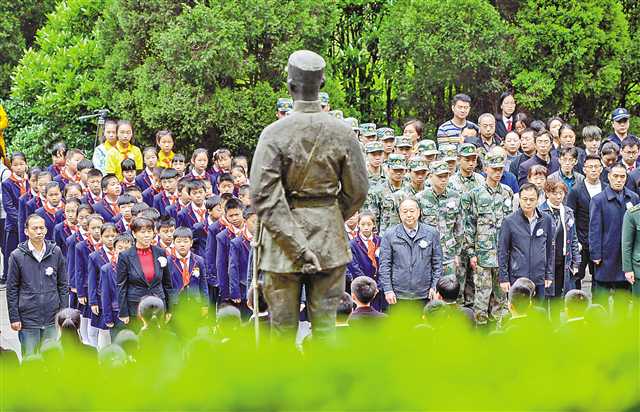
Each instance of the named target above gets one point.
<point>526,247</point>
<point>607,211</point>
<point>542,157</point>
<point>37,287</point>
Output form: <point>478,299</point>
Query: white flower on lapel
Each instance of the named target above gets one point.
<point>162,260</point>
<point>196,272</point>
<point>539,232</point>
<point>423,244</point>
<point>48,271</point>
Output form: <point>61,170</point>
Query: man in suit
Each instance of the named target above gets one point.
<point>579,200</point>
<point>606,214</point>
<point>142,270</point>
<point>308,176</point>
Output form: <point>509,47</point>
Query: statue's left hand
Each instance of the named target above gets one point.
<point>311,263</point>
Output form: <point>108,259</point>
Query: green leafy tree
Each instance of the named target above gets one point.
<point>434,49</point>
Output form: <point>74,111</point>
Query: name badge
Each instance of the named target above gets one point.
<point>629,205</point>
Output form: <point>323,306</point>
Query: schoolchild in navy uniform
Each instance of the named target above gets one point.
<point>239,252</point>
<point>365,249</point>
<point>233,215</point>
<point>108,290</point>
<point>199,163</point>
<point>58,152</point>
<point>93,192</point>
<point>83,171</point>
<point>108,206</point>
<point>221,165</point>
<point>188,273</point>
<point>52,210</point>
<point>64,229</point>
<point>194,216</point>
<point>69,173</point>
<point>125,218</point>
<point>128,167</point>
<point>145,179</point>
<point>165,227</point>
<point>156,187</point>
<point>98,258</point>
<point>183,198</point>
<point>83,249</point>
<point>72,191</point>
<point>225,185</point>
<point>169,194</point>
<point>84,211</point>
<point>32,201</point>
<point>135,192</point>
<point>217,224</point>
<point>13,188</point>
<point>179,162</point>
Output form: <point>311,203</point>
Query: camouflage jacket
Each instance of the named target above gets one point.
<point>444,212</point>
<point>376,179</point>
<point>484,210</point>
<point>381,203</point>
<point>461,184</point>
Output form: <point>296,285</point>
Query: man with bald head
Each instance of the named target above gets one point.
<point>410,260</point>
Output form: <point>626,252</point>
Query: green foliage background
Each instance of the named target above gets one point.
<point>211,70</point>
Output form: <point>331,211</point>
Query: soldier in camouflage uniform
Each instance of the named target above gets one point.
<point>404,146</point>
<point>375,172</point>
<point>380,200</point>
<point>441,208</point>
<point>464,180</point>
<point>427,149</point>
<point>485,208</point>
<point>389,142</point>
<point>418,174</point>
<point>449,154</point>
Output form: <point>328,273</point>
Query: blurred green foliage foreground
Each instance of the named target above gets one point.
<point>443,365</point>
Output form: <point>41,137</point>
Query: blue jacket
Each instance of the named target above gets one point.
<point>108,293</point>
<point>361,265</point>
<point>197,286</point>
<point>211,252</point>
<point>97,259</point>
<point>161,202</point>
<point>522,253</point>
<point>27,205</point>
<point>187,218</point>
<point>71,258</point>
<point>149,194</point>
<point>60,234</point>
<point>223,245</point>
<point>238,267</point>
<point>10,203</point>
<point>143,181</point>
<point>50,221</point>
<point>606,213</point>
<point>410,267</point>
<point>571,249</point>
<point>552,166</point>
<point>81,268</point>
<point>104,209</point>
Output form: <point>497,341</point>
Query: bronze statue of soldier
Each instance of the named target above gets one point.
<point>308,176</point>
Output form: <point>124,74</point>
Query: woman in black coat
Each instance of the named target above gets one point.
<point>143,270</point>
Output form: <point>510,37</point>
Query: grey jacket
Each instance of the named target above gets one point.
<point>36,291</point>
<point>410,267</point>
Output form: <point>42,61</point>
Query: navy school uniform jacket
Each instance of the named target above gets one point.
<point>161,202</point>
<point>108,293</point>
<point>120,226</point>
<point>188,218</point>
<point>10,203</point>
<point>89,199</point>
<point>223,242</point>
<point>27,205</point>
<point>71,258</point>
<point>54,170</point>
<point>36,291</point>
<point>104,209</point>
<point>62,181</point>
<point>173,210</point>
<point>132,285</point>
<point>81,267</point>
<point>238,267</point>
<point>143,181</point>
<point>361,264</point>
<point>606,212</point>
<point>97,259</point>
<point>211,252</point>
<point>149,194</point>
<point>61,232</point>
<point>50,220</point>
<point>197,286</point>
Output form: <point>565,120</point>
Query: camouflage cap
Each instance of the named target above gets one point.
<point>417,163</point>
<point>352,122</point>
<point>284,104</point>
<point>396,161</point>
<point>403,141</point>
<point>439,167</point>
<point>385,133</point>
<point>373,147</point>
<point>368,129</point>
<point>494,160</point>
<point>427,147</point>
<point>324,98</point>
<point>467,149</point>
<point>337,114</point>
<point>448,152</point>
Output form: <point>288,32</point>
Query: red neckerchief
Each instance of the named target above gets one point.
<point>20,182</point>
<point>203,176</point>
<point>51,210</point>
<point>172,198</point>
<point>92,244</point>
<point>111,256</point>
<point>113,207</point>
<point>200,214</point>
<point>126,183</point>
<point>68,227</point>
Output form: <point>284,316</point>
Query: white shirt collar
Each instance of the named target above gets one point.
<point>37,254</point>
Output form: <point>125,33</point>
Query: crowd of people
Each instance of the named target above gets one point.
<point>487,220</point>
